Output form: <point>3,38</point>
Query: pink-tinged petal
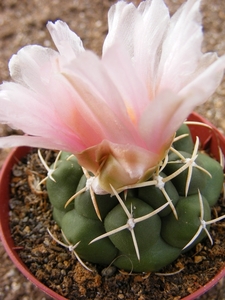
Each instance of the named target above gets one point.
<point>74,113</point>
<point>44,80</point>
<point>37,142</point>
<point>67,42</point>
<point>100,102</point>
<point>118,165</point>
<point>181,49</point>
<point>166,112</point>
<point>127,82</point>
<point>21,108</point>
<point>158,123</point>
<point>52,91</point>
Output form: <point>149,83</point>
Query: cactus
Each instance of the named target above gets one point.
<point>147,226</point>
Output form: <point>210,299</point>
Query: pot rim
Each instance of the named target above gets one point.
<point>210,136</point>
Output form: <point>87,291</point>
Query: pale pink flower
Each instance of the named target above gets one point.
<point>117,114</point>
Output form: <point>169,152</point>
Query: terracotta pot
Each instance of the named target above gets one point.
<point>210,139</point>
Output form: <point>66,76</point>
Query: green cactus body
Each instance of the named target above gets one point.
<point>152,259</point>
<point>84,205</point>
<point>144,228</point>
<point>80,229</point>
<point>186,144</point>
<point>199,179</point>
<point>67,175</point>
<point>178,232</point>
<point>155,197</point>
<point>212,189</point>
<point>123,239</point>
<point>58,214</point>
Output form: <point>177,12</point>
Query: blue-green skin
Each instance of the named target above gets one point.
<point>160,239</point>
<point>199,179</point>
<point>58,215</point>
<point>185,144</point>
<point>183,229</point>
<point>123,240</point>
<point>84,205</point>
<point>78,228</point>
<point>155,197</point>
<point>212,189</point>
<point>67,176</point>
<point>152,259</point>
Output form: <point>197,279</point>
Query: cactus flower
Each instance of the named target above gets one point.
<point>118,113</point>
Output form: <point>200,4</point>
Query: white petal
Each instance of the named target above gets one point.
<point>181,49</point>
<point>149,34</point>
<point>32,67</point>
<point>205,84</point>
<point>122,19</point>
<point>67,42</point>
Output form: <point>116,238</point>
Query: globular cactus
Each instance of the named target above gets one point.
<point>148,226</point>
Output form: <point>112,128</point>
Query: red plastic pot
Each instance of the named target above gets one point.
<point>211,139</point>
